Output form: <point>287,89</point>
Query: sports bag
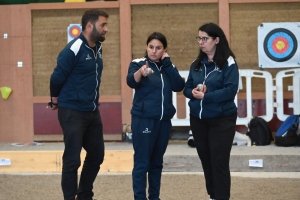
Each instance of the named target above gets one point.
<point>286,135</point>
<point>259,132</point>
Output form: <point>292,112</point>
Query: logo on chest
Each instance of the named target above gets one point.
<point>88,57</point>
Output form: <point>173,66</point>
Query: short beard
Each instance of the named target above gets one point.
<point>96,36</point>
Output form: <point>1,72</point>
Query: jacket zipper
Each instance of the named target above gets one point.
<point>162,90</point>
<point>205,77</point>
<point>96,68</point>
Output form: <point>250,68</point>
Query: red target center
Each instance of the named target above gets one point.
<point>74,31</point>
<point>280,45</point>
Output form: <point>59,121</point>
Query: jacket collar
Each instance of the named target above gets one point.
<point>208,64</point>
<point>81,36</point>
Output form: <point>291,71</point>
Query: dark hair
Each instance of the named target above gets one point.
<point>157,36</point>
<point>223,50</point>
<point>92,16</point>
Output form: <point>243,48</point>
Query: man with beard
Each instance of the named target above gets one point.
<point>74,90</point>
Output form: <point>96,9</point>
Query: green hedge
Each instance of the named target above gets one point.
<point>27,1</point>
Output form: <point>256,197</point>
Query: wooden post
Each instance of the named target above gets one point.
<point>126,57</point>
<point>17,111</point>
<point>224,18</point>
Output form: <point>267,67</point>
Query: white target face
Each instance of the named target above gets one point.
<point>74,31</point>
<point>278,45</point>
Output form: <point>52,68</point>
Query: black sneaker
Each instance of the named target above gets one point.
<point>191,142</point>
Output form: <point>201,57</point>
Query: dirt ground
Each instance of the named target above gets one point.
<point>174,187</point>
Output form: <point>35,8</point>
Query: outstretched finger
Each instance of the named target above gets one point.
<point>147,64</point>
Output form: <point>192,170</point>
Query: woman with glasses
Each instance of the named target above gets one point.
<point>213,112</point>
<point>153,77</point>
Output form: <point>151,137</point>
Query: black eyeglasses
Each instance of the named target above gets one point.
<point>204,39</point>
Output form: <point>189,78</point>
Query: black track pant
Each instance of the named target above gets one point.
<point>213,140</point>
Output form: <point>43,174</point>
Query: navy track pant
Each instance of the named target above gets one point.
<point>150,139</point>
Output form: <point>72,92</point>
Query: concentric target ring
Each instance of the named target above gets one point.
<point>280,45</point>
<point>74,31</point>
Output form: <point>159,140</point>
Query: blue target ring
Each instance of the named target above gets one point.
<point>280,45</point>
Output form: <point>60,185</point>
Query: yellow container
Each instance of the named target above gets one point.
<point>74,1</point>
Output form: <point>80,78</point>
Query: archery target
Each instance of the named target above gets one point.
<point>278,45</point>
<point>74,31</point>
